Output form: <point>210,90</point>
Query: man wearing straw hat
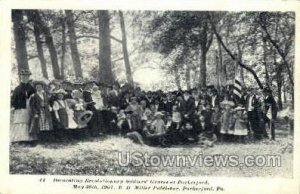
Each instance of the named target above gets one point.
<point>20,106</point>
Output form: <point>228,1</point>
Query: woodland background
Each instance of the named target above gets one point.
<point>172,49</point>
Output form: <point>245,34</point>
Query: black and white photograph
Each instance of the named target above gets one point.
<point>178,93</point>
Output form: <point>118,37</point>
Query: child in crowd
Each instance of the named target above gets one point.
<point>240,123</point>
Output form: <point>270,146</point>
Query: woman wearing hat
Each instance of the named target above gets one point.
<point>41,121</point>
<point>60,109</point>
<point>20,105</point>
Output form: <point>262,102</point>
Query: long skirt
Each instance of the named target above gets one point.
<point>45,122</point>
<point>19,130</point>
<point>63,117</point>
<point>240,128</point>
<point>71,122</point>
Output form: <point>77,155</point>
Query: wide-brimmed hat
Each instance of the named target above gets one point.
<point>238,108</point>
<point>60,91</point>
<point>227,102</point>
<point>66,81</point>
<point>42,83</point>
<point>78,81</point>
<point>24,72</point>
<point>84,117</point>
<point>90,81</point>
<point>158,114</point>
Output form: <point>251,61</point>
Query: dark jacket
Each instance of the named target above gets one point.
<point>20,94</point>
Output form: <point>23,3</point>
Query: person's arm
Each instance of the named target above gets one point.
<point>55,109</point>
<point>33,106</point>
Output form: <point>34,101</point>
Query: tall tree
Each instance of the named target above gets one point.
<point>39,45</point>
<point>233,56</point>
<point>48,40</point>
<point>106,75</point>
<point>125,50</point>
<point>63,49</point>
<point>206,37</point>
<point>73,43</point>
<point>20,39</point>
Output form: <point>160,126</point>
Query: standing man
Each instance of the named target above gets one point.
<point>251,107</point>
<point>188,105</point>
<point>20,106</point>
<point>270,109</point>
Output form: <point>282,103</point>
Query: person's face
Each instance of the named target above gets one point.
<point>133,100</point>
<point>115,87</point>
<point>143,103</point>
<point>24,78</point>
<point>188,126</point>
<point>186,96</point>
<point>128,116</point>
<point>114,110</point>
<point>227,107</point>
<point>174,108</point>
<point>64,86</point>
<point>201,118</point>
<point>39,88</point>
<point>60,96</point>
<point>158,117</point>
<point>208,106</point>
<point>152,107</point>
<point>202,102</point>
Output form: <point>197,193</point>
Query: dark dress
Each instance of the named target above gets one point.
<point>43,123</point>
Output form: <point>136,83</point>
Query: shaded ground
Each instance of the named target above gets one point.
<point>99,156</point>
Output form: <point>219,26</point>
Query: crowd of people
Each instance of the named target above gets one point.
<point>53,111</point>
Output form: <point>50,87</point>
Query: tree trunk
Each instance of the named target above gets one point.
<point>279,89</point>
<point>39,46</point>
<point>73,43</point>
<point>63,48</point>
<point>48,39</point>
<point>177,79</point>
<point>267,77</point>
<point>218,82</point>
<point>203,69</point>
<point>188,77</point>
<point>106,75</point>
<point>234,57</point>
<point>20,39</point>
<point>240,56</point>
<point>284,93</point>
<point>125,51</point>
<point>222,67</point>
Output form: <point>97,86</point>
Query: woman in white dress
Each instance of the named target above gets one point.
<point>19,131</point>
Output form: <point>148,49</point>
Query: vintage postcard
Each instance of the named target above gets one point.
<point>149,96</point>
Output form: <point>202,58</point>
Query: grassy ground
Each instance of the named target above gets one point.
<point>99,156</point>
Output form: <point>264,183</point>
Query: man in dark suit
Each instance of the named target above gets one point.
<point>252,112</point>
<point>214,98</point>
<point>188,106</point>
